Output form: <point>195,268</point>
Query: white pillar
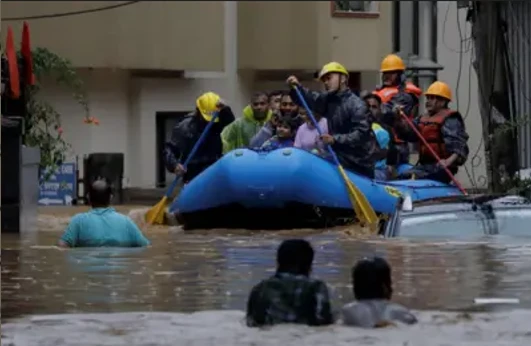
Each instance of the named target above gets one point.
<point>234,93</point>
<point>426,45</point>
<point>406,23</point>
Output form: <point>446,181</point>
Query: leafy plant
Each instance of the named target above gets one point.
<point>43,122</point>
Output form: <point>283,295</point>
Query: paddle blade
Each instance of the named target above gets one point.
<point>155,215</point>
<point>361,205</point>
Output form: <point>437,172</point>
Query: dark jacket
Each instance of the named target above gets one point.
<point>453,133</point>
<point>409,101</point>
<point>275,142</point>
<point>288,298</point>
<point>349,123</point>
<point>184,136</point>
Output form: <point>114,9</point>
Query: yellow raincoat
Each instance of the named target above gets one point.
<point>239,133</point>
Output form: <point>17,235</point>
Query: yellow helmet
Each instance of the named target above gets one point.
<point>392,62</point>
<point>207,105</point>
<point>439,89</point>
<point>332,67</point>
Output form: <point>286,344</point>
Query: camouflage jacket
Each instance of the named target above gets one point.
<point>287,298</point>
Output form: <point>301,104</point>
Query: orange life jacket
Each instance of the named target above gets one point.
<point>430,128</point>
<point>386,94</point>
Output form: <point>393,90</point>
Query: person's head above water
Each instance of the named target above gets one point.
<point>371,279</point>
<point>295,256</point>
<point>100,194</point>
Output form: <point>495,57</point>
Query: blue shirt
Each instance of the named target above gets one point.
<point>103,227</point>
<point>383,139</point>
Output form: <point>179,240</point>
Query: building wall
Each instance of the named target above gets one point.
<point>455,54</point>
<point>166,35</point>
<point>126,107</point>
<point>126,104</point>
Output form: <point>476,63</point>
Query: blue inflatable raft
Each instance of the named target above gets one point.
<point>285,188</point>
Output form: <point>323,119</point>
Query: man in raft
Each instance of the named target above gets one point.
<point>350,135</point>
<point>383,138</point>
<point>444,130</point>
<point>186,133</point>
<point>242,130</point>
<point>395,90</point>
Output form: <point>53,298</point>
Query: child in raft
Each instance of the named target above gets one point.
<point>285,132</point>
<point>307,136</point>
<point>372,286</point>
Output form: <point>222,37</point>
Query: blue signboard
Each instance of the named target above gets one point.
<point>60,188</point>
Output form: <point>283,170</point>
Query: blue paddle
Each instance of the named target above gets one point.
<point>156,214</point>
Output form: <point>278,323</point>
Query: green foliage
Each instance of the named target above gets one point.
<point>518,186</point>
<point>43,122</point>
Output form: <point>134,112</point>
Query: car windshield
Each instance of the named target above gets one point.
<point>513,222</point>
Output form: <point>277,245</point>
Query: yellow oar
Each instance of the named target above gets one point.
<point>359,202</point>
<point>155,215</point>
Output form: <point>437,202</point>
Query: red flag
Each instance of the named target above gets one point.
<point>26,53</point>
<point>11,55</point>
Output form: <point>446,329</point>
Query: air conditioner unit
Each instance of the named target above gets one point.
<point>463,4</point>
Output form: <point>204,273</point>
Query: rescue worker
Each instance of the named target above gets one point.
<point>383,137</point>
<point>186,133</point>
<point>350,129</point>
<point>395,90</point>
<point>444,130</point>
<point>242,130</point>
<point>287,108</point>
<point>290,295</point>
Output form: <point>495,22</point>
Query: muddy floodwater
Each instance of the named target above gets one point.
<point>191,288</point>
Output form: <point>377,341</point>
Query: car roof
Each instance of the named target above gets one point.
<point>464,203</point>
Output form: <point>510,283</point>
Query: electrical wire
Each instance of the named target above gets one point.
<point>445,22</point>
<point>475,160</point>
<point>72,13</point>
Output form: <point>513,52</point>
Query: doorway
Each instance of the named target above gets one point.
<point>165,122</point>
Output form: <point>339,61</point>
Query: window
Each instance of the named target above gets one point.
<point>360,9</point>
<point>507,222</point>
<point>514,222</point>
<point>444,225</point>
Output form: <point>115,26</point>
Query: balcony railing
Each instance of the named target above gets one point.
<point>355,9</point>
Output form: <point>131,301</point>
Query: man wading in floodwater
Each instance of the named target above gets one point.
<point>102,226</point>
<point>290,296</point>
<point>373,289</point>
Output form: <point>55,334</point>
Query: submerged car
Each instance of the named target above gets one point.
<point>459,216</point>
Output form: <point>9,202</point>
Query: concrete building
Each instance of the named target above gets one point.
<point>145,63</point>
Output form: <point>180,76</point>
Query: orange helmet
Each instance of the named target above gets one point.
<point>392,62</point>
<point>439,89</point>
